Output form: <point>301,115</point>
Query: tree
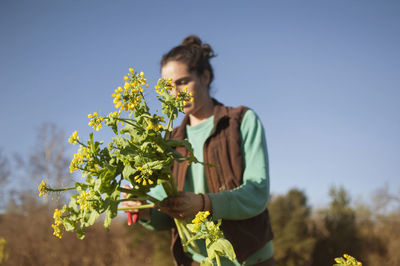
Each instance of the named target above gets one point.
<point>4,175</point>
<point>340,234</point>
<point>48,159</point>
<point>380,229</point>
<point>290,219</point>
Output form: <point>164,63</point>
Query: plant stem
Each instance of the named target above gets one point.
<point>167,188</point>
<point>180,233</point>
<point>59,189</point>
<point>126,121</point>
<point>185,235</point>
<point>77,140</point>
<point>131,199</point>
<point>173,186</point>
<point>147,197</point>
<point>170,124</point>
<point>218,260</point>
<point>146,206</point>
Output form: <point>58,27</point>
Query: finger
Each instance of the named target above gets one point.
<point>169,212</point>
<point>173,202</point>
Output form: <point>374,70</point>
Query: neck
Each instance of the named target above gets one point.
<point>203,114</point>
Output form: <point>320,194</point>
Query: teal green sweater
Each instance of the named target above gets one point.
<point>245,201</point>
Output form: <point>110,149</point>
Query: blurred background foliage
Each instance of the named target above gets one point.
<point>303,235</point>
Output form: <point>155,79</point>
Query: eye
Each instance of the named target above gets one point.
<point>183,81</point>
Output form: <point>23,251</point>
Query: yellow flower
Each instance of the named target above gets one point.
<point>131,70</point>
<point>77,161</point>
<point>58,226</point>
<point>95,121</point>
<point>42,188</point>
<point>57,231</point>
<point>349,260</point>
<point>74,138</point>
<point>118,105</point>
<point>200,217</point>
<point>141,74</point>
<point>117,98</point>
<point>83,200</point>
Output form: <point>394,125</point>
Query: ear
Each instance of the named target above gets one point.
<point>205,77</point>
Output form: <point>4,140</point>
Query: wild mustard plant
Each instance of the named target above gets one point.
<point>3,250</point>
<point>347,260</point>
<point>139,153</point>
<point>216,244</point>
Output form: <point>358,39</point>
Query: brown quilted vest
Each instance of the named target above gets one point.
<point>222,148</point>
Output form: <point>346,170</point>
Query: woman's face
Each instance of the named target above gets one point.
<point>198,85</point>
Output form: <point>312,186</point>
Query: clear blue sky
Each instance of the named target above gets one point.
<point>323,76</point>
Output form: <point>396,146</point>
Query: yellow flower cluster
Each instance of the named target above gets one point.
<point>154,123</point>
<point>143,177</point>
<point>184,95</point>
<point>42,188</point>
<point>160,90</point>
<point>83,200</point>
<point>200,217</point>
<point>349,261</point>
<point>77,161</point>
<point>74,138</point>
<point>95,121</point>
<point>156,127</point>
<point>116,114</point>
<point>128,97</point>
<point>58,226</point>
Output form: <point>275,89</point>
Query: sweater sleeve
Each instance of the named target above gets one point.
<point>250,198</point>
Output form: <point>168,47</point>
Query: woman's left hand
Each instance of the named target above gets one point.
<point>185,205</point>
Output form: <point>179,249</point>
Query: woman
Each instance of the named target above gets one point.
<point>237,190</point>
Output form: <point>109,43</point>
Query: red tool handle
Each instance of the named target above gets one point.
<point>133,217</point>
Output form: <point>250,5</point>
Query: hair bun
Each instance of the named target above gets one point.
<point>192,40</point>
<point>194,54</point>
<point>207,50</point>
<point>195,41</point>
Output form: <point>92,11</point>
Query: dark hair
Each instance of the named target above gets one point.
<point>192,52</point>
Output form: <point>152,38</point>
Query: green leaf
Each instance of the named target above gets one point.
<point>91,218</point>
<point>155,165</point>
<point>108,219</point>
<point>80,187</point>
<point>69,224</point>
<point>128,171</point>
<point>81,233</point>
<point>97,184</point>
<point>221,247</point>
<point>72,204</point>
